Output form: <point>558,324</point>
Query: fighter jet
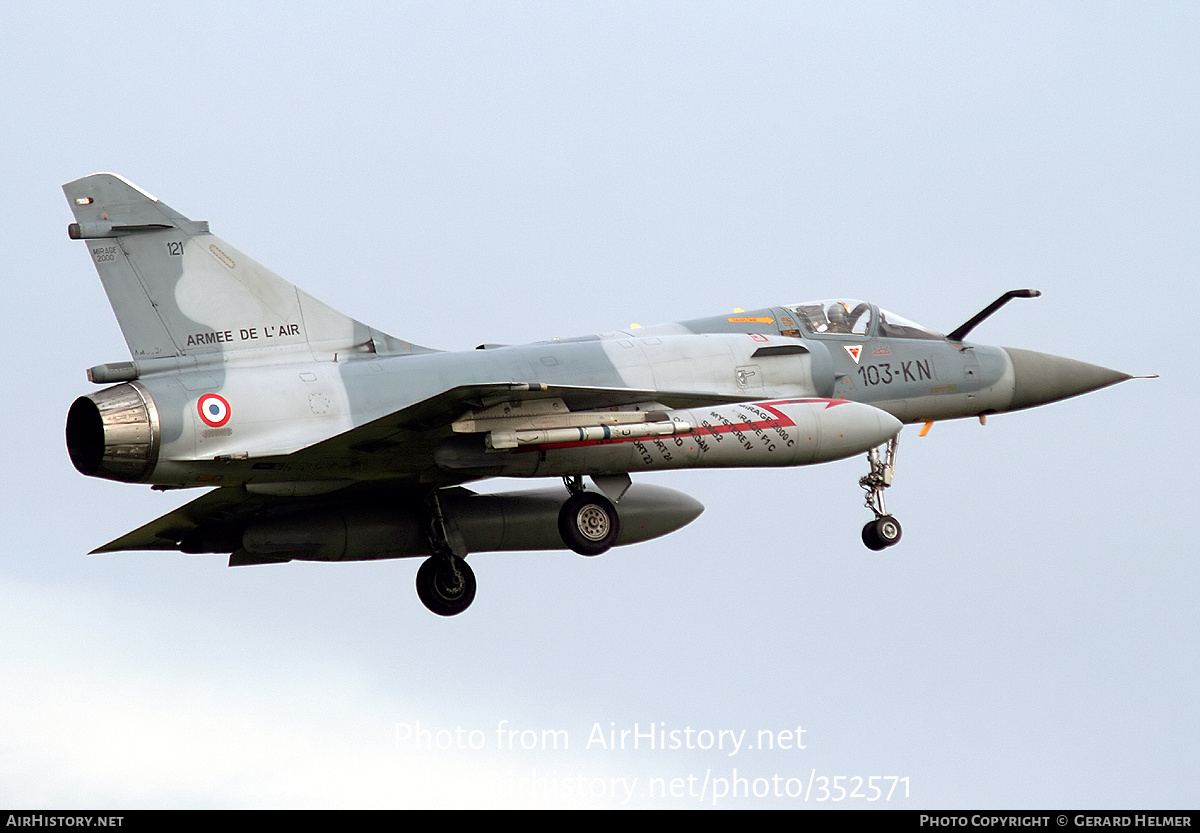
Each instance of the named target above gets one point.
<point>329,440</point>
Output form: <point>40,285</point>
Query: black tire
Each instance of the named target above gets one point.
<point>438,588</point>
<point>588,523</point>
<point>888,531</point>
<point>870,537</point>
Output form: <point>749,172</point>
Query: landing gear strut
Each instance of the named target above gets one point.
<point>885,530</point>
<point>588,521</point>
<point>445,584</point>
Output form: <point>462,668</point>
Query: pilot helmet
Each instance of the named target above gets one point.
<point>838,316</point>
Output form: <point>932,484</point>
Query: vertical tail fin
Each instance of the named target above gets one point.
<point>177,290</point>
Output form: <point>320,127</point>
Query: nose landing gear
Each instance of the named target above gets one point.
<point>885,530</point>
<point>881,533</point>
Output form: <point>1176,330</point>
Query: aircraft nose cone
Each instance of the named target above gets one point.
<point>1042,378</point>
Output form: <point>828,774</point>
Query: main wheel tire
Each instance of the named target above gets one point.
<point>440,590</point>
<point>870,537</point>
<point>588,523</point>
<point>888,530</point>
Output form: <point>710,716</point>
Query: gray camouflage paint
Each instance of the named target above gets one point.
<point>315,396</point>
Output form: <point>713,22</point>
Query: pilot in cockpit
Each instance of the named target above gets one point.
<point>839,320</point>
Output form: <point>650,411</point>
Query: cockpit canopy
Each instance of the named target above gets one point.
<point>846,316</point>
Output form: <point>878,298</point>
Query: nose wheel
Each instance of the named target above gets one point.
<point>881,533</point>
<point>884,531</point>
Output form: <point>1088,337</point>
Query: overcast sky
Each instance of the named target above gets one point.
<point>456,173</point>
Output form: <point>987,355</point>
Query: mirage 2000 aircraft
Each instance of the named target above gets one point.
<point>328,440</point>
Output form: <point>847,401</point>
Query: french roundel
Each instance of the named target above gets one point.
<point>214,410</point>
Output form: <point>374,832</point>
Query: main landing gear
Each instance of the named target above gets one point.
<point>885,530</point>
<point>588,521</point>
<point>445,584</point>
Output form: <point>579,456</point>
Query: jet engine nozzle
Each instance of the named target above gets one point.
<point>114,433</point>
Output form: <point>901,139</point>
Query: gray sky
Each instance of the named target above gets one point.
<point>460,173</point>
